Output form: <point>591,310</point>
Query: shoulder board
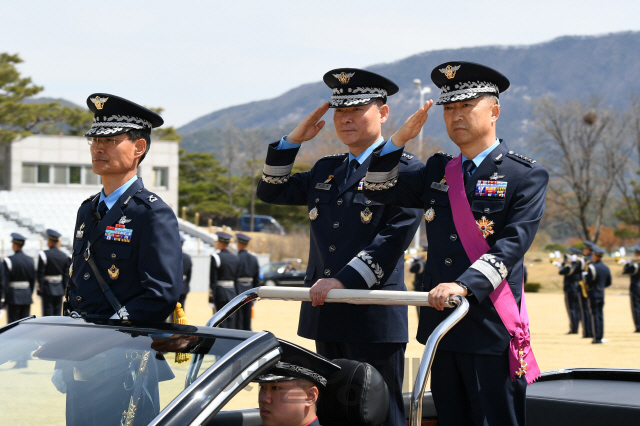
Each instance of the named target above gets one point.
<point>91,197</point>
<point>145,195</point>
<point>444,154</point>
<point>335,155</point>
<point>520,158</point>
<point>408,156</point>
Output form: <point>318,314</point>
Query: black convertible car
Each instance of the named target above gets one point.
<point>75,371</point>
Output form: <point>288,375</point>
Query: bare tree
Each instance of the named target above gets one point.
<point>629,184</point>
<point>585,149</point>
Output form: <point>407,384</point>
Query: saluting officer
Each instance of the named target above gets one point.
<point>632,268</point>
<point>248,278</point>
<point>53,275</point>
<point>126,248</point>
<point>223,275</point>
<point>19,281</point>
<point>356,243</point>
<point>187,264</point>
<point>597,277</point>
<point>585,311</point>
<point>570,269</point>
<point>482,210</point>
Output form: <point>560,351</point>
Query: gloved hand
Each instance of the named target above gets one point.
<point>557,264</point>
<point>57,381</point>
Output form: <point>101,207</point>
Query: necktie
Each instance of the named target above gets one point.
<point>102,209</point>
<point>353,166</point>
<point>468,166</point>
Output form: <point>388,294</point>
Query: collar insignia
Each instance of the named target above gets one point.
<point>99,102</point>
<point>449,71</point>
<point>343,77</point>
<point>124,220</point>
<point>152,198</point>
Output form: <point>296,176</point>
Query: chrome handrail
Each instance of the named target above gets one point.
<point>420,384</point>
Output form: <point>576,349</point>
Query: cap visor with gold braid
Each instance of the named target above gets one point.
<point>354,87</point>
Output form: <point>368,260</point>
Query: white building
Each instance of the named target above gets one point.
<point>50,163</point>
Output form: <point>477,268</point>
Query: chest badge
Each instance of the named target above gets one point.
<point>485,226</point>
<point>491,188</point>
<point>495,176</point>
<point>80,232</point>
<point>114,272</point>
<point>313,214</point>
<point>123,220</point>
<point>430,214</point>
<point>366,215</point>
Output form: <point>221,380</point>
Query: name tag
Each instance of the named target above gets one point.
<point>323,186</point>
<point>440,186</point>
<point>491,188</point>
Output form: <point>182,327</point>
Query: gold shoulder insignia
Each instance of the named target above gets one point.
<point>407,156</point>
<point>444,154</point>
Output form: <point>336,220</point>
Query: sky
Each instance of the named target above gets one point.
<point>195,57</point>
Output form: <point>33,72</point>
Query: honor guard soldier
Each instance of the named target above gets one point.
<point>570,269</point>
<point>223,275</point>
<point>19,281</point>
<point>53,275</point>
<point>248,278</point>
<point>632,268</point>
<point>597,277</point>
<point>585,311</point>
<point>482,210</point>
<point>417,267</point>
<point>356,243</point>
<point>126,248</point>
<point>187,264</point>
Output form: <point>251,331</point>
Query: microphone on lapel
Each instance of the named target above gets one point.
<point>102,211</point>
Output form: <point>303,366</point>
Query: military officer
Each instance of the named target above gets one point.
<point>223,276</point>
<point>570,269</point>
<point>126,248</point>
<point>482,210</point>
<point>53,275</point>
<point>356,243</point>
<point>632,268</point>
<point>248,278</point>
<point>597,277</point>
<point>19,281</point>
<point>585,312</point>
<point>187,264</point>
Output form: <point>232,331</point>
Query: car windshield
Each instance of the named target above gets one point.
<point>76,374</point>
<point>279,267</point>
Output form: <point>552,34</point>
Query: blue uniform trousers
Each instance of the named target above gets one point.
<point>596,305</point>
<point>572,302</point>
<point>500,401</point>
<point>387,358</point>
<point>587,325</point>
<point>51,305</point>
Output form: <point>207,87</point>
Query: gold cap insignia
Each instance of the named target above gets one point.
<point>450,71</point>
<point>343,77</point>
<point>99,102</point>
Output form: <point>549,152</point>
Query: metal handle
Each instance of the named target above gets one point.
<point>429,352</point>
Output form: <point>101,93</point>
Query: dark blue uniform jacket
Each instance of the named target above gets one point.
<point>513,219</point>
<point>598,277</point>
<point>248,271</point>
<point>353,239</point>
<point>632,269</point>
<point>19,269</point>
<point>224,267</point>
<point>572,275</point>
<point>150,265</point>
<point>53,271</point>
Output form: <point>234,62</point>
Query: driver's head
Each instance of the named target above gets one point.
<point>290,390</point>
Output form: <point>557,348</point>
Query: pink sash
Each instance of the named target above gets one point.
<point>521,359</point>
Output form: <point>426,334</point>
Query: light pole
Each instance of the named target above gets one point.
<point>422,91</point>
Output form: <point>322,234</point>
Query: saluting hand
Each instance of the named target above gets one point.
<point>320,289</point>
<point>438,296</point>
<point>412,126</point>
<point>310,126</point>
